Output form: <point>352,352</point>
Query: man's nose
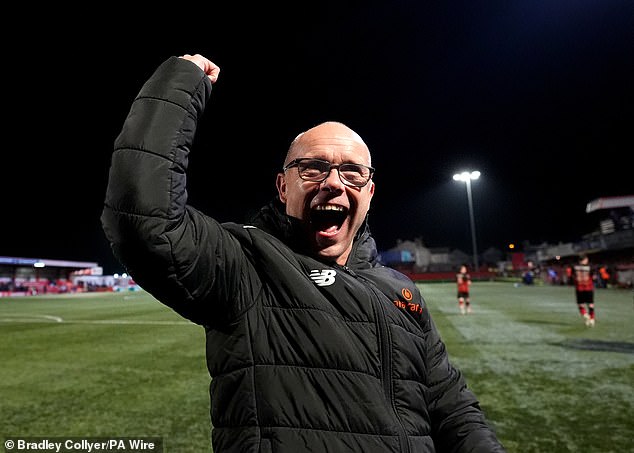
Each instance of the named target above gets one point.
<point>332,181</point>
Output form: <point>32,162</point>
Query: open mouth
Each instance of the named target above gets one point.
<point>328,218</point>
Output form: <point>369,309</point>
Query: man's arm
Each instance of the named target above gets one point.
<point>458,423</point>
<point>169,248</point>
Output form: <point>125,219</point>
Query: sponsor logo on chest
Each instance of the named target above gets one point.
<point>407,304</point>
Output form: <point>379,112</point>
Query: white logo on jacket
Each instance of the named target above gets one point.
<point>324,277</point>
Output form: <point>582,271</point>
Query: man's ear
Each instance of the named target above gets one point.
<point>280,183</point>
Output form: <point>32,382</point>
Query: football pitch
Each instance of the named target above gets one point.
<point>123,365</point>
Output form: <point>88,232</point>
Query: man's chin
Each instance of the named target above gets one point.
<point>329,250</point>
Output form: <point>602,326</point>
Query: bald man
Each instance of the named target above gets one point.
<point>312,345</point>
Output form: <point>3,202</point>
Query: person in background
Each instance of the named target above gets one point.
<point>463,281</point>
<point>552,276</point>
<point>311,344</point>
<point>584,289</point>
<point>530,274</point>
<point>568,275</point>
<point>603,277</point>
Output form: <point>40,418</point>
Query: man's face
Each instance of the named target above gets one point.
<point>330,210</point>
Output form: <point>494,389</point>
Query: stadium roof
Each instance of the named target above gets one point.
<point>611,203</point>
<point>17,261</point>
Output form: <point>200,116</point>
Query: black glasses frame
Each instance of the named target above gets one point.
<point>296,162</point>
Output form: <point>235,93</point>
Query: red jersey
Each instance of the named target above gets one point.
<point>583,277</point>
<point>463,280</point>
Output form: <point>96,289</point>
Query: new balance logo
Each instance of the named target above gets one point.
<point>324,277</point>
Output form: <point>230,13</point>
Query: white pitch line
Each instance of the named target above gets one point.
<point>48,318</point>
<point>32,318</point>
<point>54,318</point>
<point>121,321</point>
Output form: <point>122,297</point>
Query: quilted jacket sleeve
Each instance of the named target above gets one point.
<point>458,423</point>
<point>182,257</point>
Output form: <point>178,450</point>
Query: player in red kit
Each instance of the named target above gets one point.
<point>584,289</point>
<point>463,280</point>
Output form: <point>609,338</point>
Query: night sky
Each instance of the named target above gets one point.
<point>537,95</point>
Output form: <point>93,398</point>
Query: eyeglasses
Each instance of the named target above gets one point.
<point>317,170</point>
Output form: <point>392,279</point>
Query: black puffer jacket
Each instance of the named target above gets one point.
<point>304,356</point>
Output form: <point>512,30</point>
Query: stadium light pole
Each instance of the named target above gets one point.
<point>466,177</point>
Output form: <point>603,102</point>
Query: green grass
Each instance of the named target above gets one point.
<point>124,365</point>
<point>546,381</point>
<point>119,364</point>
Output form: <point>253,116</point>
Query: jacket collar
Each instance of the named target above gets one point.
<point>273,219</point>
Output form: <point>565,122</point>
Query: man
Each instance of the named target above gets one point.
<point>531,273</point>
<point>463,281</point>
<point>312,346</point>
<point>584,290</point>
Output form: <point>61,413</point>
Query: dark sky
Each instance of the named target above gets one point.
<point>537,95</point>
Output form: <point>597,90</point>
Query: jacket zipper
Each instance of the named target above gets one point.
<point>383,335</point>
